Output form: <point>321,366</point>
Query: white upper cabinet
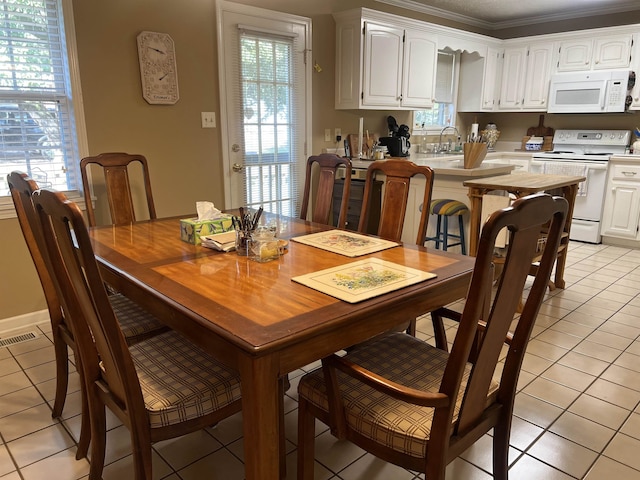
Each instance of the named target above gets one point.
<point>526,72</point>
<point>479,86</point>
<point>419,70</point>
<point>600,53</point>
<point>513,78</point>
<point>381,65</point>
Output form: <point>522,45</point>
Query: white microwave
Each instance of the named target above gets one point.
<point>602,91</point>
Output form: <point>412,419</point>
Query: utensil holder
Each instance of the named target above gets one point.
<point>474,154</point>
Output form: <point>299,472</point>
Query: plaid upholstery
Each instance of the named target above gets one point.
<point>399,425</point>
<point>179,381</point>
<point>443,206</point>
<point>135,322</point>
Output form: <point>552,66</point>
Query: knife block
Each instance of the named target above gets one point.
<point>474,154</point>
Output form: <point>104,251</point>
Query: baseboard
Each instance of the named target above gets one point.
<point>23,321</point>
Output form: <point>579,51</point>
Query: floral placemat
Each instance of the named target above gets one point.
<point>343,242</point>
<point>364,279</point>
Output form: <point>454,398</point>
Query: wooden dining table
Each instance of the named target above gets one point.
<point>254,318</point>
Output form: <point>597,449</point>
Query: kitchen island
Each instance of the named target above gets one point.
<point>448,183</point>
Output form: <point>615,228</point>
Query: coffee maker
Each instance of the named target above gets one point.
<point>397,142</point>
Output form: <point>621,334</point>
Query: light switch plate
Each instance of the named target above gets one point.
<point>208,119</point>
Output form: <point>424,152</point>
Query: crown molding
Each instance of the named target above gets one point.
<point>582,12</point>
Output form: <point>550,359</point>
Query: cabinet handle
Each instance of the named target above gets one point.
<point>629,174</point>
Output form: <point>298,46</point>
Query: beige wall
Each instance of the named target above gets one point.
<point>185,160</point>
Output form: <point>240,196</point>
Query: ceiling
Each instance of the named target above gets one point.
<point>497,14</point>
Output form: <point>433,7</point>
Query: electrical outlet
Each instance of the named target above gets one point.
<point>208,119</point>
<point>327,134</point>
<point>337,133</point>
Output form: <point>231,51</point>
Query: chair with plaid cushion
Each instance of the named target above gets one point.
<point>418,406</point>
<point>136,323</point>
<point>159,388</point>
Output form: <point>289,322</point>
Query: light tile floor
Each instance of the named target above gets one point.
<point>577,413</point>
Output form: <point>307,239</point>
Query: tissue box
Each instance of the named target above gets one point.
<point>191,229</point>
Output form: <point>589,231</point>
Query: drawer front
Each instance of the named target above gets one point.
<point>625,172</point>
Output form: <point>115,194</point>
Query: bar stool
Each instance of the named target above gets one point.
<point>445,208</point>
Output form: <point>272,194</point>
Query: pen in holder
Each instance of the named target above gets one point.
<point>244,225</point>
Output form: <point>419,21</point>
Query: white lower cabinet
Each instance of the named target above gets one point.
<point>622,202</point>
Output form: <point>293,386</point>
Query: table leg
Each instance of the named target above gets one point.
<point>569,193</point>
<point>260,417</point>
<point>475,197</point>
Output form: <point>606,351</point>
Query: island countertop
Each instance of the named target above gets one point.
<point>451,165</point>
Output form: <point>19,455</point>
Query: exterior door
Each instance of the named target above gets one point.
<point>265,101</point>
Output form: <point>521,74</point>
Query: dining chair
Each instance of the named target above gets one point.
<point>115,167</point>
<point>160,388</point>
<point>415,405</point>
<point>328,166</point>
<point>398,175</point>
<point>136,323</point>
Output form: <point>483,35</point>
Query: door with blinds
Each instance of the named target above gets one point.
<point>265,101</point>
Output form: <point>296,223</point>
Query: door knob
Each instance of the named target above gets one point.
<point>236,167</point>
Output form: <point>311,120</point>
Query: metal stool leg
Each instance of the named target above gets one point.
<point>438,231</point>
<point>463,245</point>
<point>445,233</point>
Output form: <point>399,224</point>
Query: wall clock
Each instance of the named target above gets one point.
<point>156,52</point>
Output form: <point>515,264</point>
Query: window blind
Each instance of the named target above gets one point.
<point>37,129</point>
<point>268,86</point>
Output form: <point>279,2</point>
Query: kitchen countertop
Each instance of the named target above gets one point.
<point>627,158</point>
<point>453,164</point>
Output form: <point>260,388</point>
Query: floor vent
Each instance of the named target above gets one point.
<point>23,337</point>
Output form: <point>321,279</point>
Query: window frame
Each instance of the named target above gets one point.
<point>7,209</point>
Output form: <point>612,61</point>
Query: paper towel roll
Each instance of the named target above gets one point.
<point>474,130</point>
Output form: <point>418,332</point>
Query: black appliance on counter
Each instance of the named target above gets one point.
<point>396,146</point>
<point>397,142</point>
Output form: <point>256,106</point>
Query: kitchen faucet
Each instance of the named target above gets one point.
<point>440,146</point>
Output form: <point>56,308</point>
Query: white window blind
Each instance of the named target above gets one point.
<point>269,85</point>
<point>445,77</point>
<point>37,128</point>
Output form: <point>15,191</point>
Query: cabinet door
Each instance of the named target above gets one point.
<point>513,75</point>
<point>538,74</point>
<point>490,85</point>
<point>575,55</point>
<point>382,69</point>
<point>621,210</point>
<point>611,52</point>
<point>419,72</point>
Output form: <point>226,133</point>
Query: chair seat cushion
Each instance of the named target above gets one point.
<point>443,206</point>
<point>180,381</point>
<point>135,322</point>
<point>398,425</point>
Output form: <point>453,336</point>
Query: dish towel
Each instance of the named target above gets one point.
<point>569,169</point>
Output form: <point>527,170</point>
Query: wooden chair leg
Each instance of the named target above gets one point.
<point>501,450</point>
<point>439,333</point>
<point>306,441</point>
<point>62,374</point>
<point>98,441</point>
<point>283,386</point>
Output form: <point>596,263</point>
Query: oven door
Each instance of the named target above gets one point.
<point>587,210</point>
